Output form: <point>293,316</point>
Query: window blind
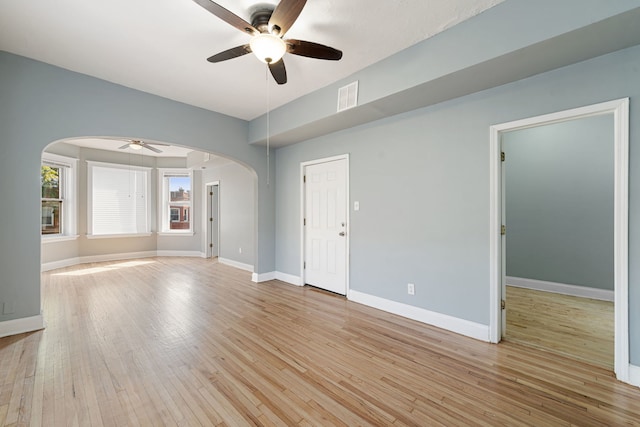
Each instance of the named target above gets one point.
<point>119,201</point>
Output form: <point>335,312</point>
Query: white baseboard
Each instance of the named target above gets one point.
<point>117,256</point>
<point>192,254</point>
<point>70,262</point>
<point>236,264</point>
<point>634,375</point>
<point>450,323</point>
<point>59,264</point>
<point>263,277</point>
<point>561,288</point>
<point>20,326</point>
<point>289,278</point>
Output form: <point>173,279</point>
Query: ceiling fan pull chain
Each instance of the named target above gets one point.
<point>266,79</point>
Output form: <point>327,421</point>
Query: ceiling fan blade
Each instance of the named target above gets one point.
<point>285,14</point>
<point>230,54</point>
<point>313,50</point>
<point>154,149</point>
<point>124,146</point>
<point>228,17</point>
<point>279,72</point>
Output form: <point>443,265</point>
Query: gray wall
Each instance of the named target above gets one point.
<point>422,180</point>
<point>421,177</point>
<point>559,202</point>
<point>42,104</point>
<point>237,210</point>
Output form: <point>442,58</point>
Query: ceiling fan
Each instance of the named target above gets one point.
<point>136,144</point>
<point>267,28</point>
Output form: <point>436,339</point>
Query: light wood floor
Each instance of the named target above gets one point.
<point>177,341</point>
<point>580,328</point>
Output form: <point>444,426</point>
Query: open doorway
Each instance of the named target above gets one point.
<point>558,209</point>
<point>617,111</point>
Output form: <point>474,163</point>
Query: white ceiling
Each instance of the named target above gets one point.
<point>161,46</point>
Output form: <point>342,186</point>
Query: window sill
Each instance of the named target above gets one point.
<point>176,233</point>
<point>116,236</point>
<point>57,239</point>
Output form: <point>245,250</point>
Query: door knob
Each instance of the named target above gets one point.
<point>342,233</point>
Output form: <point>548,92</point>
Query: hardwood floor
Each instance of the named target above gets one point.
<point>580,328</point>
<point>178,341</point>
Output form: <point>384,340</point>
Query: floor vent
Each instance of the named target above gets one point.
<point>348,96</point>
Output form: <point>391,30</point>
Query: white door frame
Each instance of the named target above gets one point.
<point>303,165</point>
<point>206,222</point>
<point>620,110</point>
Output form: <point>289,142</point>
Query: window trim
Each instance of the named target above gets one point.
<point>164,213</point>
<point>69,195</point>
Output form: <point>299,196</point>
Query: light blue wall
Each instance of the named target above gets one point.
<point>422,180</point>
<point>559,198</point>
<point>42,104</point>
<point>237,208</point>
<point>421,177</point>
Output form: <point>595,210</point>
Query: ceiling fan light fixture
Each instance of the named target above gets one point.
<point>135,146</point>
<point>268,48</point>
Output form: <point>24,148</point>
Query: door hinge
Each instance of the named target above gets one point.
<point>304,178</point>
<point>210,219</point>
<point>503,304</point>
<point>210,245</point>
<point>502,156</point>
<point>211,193</point>
<point>304,221</point>
<point>304,265</point>
<point>503,230</point>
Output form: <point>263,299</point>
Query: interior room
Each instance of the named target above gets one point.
<point>217,238</point>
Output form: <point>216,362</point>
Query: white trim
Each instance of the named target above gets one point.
<point>191,254</point>
<point>263,277</point>
<point>117,256</point>
<point>20,326</point>
<point>620,110</point>
<point>303,165</point>
<point>176,233</point>
<point>634,375</point>
<point>119,166</point>
<point>69,193</point>
<point>443,321</point>
<point>561,288</point>
<point>57,239</point>
<point>163,218</point>
<point>116,236</point>
<point>70,262</point>
<point>236,264</point>
<point>289,278</point>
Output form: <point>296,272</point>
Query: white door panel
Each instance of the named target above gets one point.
<point>325,230</point>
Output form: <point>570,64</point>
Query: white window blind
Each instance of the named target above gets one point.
<point>119,199</point>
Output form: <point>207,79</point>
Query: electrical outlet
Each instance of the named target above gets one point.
<point>239,250</point>
<point>411,289</point>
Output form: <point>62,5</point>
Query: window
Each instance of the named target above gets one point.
<point>176,186</point>
<point>119,202</point>
<point>57,185</point>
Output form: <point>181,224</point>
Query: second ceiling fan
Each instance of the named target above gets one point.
<point>267,28</point>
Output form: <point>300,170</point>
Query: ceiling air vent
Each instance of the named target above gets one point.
<point>348,96</point>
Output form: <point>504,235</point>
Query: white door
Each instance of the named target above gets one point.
<point>325,225</point>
